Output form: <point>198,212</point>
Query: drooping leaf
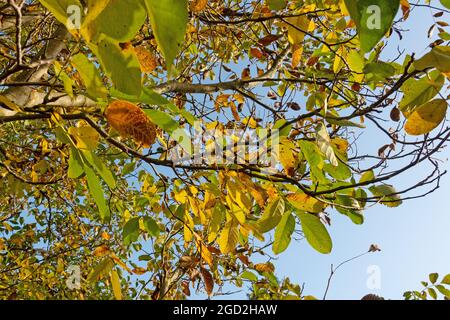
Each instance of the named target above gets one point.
<point>96,191</point>
<point>426,117</point>
<point>229,237</point>
<point>59,9</point>
<point>76,168</point>
<point>272,215</point>
<point>97,164</point>
<point>130,232</point>
<point>438,57</point>
<point>151,226</point>
<point>90,76</point>
<point>418,92</point>
<point>115,283</point>
<point>121,64</point>
<point>168,19</point>
<point>101,270</point>
<point>315,232</point>
<point>283,233</point>
<point>373,19</point>
<point>388,195</point>
<point>117,19</point>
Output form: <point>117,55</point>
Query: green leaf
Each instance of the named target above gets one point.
<point>283,233</point>
<point>373,19</point>
<point>64,77</point>
<point>130,232</point>
<point>350,207</point>
<point>117,19</point>
<point>272,215</point>
<point>438,57</point>
<point>379,71</point>
<point>121,65</point>
<point>432,293</point>
<point>76,168</point>
<point>162,120</point>
<point>168,19</point>
<point>100,167</point>
<point>249,276</point>
<point>276,4</point>
<point>315,233</point>
<point>367,176</point>
<point>433,277</point>
<point>90,76</point>
<point>418,92</point>
<point>101,270</point>
<point>95,188</point>
<point>446,3</point>
<point>443,290</point>
<point>151,226</point>
<point>387,194</point>
<point>59,8</point>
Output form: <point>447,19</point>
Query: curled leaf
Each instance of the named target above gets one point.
<point>130,121</point>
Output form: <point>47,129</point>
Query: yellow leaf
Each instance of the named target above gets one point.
<point>229,237</point>
<point>305,202</point>
<point>339,60</point>
<point>115,282</point>
<point>146,59</point>
<point>130,121</point>
<point>288,156</point>
<point>86,137</point>
<point>426,117</point>
<point>297,26</point>
<point>297,55</point>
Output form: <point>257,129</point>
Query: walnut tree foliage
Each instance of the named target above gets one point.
<point>94,95</point>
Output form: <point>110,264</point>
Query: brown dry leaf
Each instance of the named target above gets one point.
<point>146,59</point>
<point>256,53</point>
<point>198,5</point>
<point>235,112</point>
<point>406,7</point>
<point>130,121</point>
<point>101,251</point>
<point>265,267</point>
<point>208,280</point>
<point>139,271</point>
<point>185,288</point>
<point>246,75</point>
<point>268,39</point>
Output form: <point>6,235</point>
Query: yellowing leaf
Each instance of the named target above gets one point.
<point>426,117</point>
<point>198,5</point>
<point>86,137</point>
<point>297,55</point>
<point>264,267</point>
<point>305,202</point>
<point>297,26</point>
<point>115,283</point>
<point>101,251</point>
<point>229,237</point>
<point>146,59</point>
<point>130,121</point>
<point>438,57</point>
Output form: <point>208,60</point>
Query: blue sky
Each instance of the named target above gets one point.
<point>414,237</point>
